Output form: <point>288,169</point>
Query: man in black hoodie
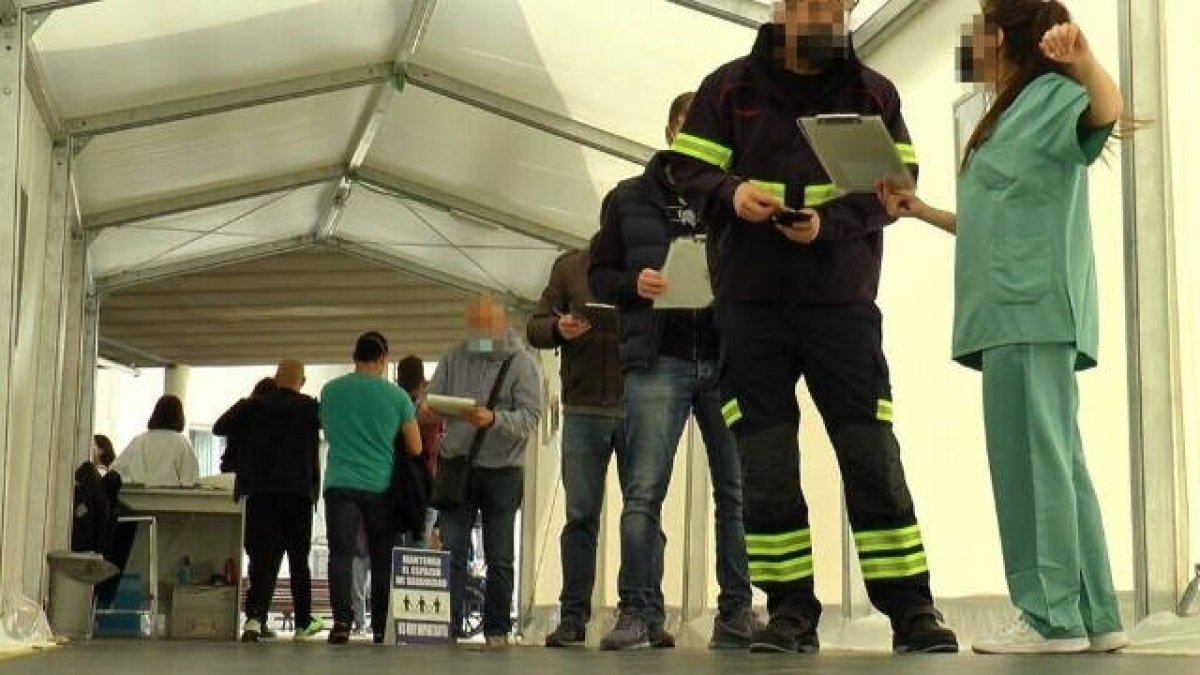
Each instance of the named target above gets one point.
<point>279,474</point>
<point>669,358</point>
<point>796,298</point>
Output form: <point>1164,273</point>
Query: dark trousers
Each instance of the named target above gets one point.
<point>495,495</point>
<point>277,524</point>
<point>838,351</point>
<point>344,511</point>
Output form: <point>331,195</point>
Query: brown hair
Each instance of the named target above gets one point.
<point>679,106</point>
<point>1024,23</point>
<point>168,414</point>
<point>107,455</point>
<point>410,374</point>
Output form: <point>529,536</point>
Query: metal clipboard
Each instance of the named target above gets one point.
<point>855,151</point>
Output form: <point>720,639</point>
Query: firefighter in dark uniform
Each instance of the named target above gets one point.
<point>796,274</point>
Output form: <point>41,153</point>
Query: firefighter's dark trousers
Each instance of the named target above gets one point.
<point>838,351</point>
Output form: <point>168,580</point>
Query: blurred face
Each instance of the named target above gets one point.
<point>979,52</point>
<point>814,33</point>
<point>487,323</point>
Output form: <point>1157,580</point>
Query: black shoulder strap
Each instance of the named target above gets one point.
<point>477,444</point>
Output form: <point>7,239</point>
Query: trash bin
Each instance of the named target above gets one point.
<point>72,577</point>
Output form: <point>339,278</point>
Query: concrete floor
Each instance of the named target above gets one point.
<point>185,658</point>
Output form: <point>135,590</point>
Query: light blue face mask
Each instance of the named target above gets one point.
<point>481,345</point>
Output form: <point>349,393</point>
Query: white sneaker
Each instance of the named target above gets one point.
<point>1021,638</point>
<point>1108,642</point>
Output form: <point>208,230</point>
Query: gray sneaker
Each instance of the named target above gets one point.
<point>736,632</point>
<point>631,632</point>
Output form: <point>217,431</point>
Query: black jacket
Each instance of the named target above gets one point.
<point>742,126</point>
<point>639,218</point>
<point>96,509</point>
<point>280,445</point>
<point>227,426</point>
<point>591,377</point>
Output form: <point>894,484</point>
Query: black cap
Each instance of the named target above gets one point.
<point>370,346</point>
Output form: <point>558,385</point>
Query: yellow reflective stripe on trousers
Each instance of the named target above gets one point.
<point>883,411</point>
<point>816,195</point>
<point>778,544</point>
<point>781,572</point>
<point>703,150</point>
<point>888,540</point>
<point>908,154</point>
<point>777,190</point>
<point>732,412</point>
<point>898,567</point>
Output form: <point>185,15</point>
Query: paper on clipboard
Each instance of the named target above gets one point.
<point>686,272</point>
<point>455,406</point>
<point>857,152</point>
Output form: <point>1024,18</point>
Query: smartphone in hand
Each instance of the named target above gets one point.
<point>789,217</point>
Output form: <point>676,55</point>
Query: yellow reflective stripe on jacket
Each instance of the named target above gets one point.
<point>781,572</point>
<point>908,154</point>
<point>900,539</point>
<point>732,412</point>
<point>778,544</point>
<point>777,190</point>
<point>703,150</point>
<point>816,195</point>
<point>883,411</point>
<point>897,567</point>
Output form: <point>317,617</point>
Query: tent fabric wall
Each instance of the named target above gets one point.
<point>1182,55</point>
<point>27,476</point>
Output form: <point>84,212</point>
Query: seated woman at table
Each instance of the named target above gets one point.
<point>162,456</point>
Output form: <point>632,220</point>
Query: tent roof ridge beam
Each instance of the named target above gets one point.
<point>109,345</point>
<point>419,269</point>
<point>50,5</point>
<point>380,102</point>
<point>225,101</point>
<point>208,198</point>
<point>746,13</point>
<point>449,202</point>
<point>531,116</point>
<point>115,282</point>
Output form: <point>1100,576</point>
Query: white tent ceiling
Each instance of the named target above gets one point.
<point>212,132</point>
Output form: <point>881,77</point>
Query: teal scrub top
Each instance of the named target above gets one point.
<point>1024,268</point>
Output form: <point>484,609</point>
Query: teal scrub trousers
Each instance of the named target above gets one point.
<point>1055,557</point>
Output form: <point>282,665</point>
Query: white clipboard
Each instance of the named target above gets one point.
<point>686,272</point>
<point>450,406</point>
<point>856,151</point>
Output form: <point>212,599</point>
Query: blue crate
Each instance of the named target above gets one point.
<point>121,625</point>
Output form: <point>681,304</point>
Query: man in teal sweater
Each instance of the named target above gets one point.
<point>361,413</point>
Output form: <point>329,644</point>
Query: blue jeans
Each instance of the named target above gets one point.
<point>589,442</point>
<point>657,403</point>
<point>496,495</point>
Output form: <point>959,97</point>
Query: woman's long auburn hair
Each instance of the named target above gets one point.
<point>1024,23</point>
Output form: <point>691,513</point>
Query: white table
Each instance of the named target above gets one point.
<point>206,525</point>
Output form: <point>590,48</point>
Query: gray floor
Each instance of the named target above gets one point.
<point>185,658</point>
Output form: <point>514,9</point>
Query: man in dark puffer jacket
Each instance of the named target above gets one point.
<point>669,358</point>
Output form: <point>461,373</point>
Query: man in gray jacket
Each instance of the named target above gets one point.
<point>496,486</point>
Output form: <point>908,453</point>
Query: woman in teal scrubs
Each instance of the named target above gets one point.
<point>1026,312</point>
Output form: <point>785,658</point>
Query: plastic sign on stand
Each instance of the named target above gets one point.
<point>420,606</point>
